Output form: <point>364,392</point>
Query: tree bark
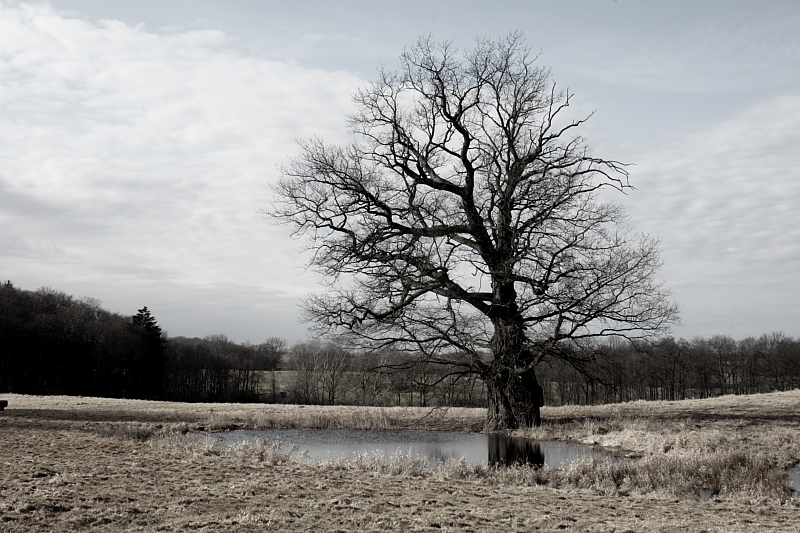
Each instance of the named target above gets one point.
<point>515,396</point>
<point>515,400</point>
<point>500,415</point>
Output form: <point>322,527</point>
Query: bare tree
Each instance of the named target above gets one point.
<point>726,361</point>
<point>271,354</point>
<point>334,364</point>
<point>465,219</point>
<point>305,360</point>
<point>368,384</point>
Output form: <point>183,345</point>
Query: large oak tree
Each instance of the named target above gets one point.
<point>464,222</point>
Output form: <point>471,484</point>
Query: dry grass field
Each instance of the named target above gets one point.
<point>70,464</point>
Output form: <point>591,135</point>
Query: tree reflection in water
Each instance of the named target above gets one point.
<point>507,451</point>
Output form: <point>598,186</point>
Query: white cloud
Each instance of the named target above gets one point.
<point>132,164</point>
<point>726,201</point>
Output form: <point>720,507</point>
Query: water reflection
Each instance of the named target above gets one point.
<point>437,446</point>
<point>507,451</point>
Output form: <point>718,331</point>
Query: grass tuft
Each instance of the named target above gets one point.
<point>140,431</point>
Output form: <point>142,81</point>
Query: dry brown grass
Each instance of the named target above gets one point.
<point>223,416</point>
<point>738,446</point>
<point>117,465</point>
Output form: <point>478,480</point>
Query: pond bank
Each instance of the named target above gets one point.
<point>721,444</point>
<point>58,475</point>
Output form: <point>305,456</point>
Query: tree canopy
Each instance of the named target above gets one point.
<point>464,222</point>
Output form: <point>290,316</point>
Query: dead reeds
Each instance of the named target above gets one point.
<point>348,417</point>
<point>700,475</point>
<point>730,447</point>
<point>675,473</point>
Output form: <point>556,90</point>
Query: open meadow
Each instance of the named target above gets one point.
<point>73,463</point>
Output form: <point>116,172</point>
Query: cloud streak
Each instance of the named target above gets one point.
<point>726,201</point>
<point>130,158</point>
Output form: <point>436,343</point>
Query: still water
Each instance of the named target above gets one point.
<point>436,446</point>
<point>794,477</point>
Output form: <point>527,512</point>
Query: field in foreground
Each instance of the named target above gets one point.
<point>123,465</point>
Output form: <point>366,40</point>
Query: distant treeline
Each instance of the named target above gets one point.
<point>671,369</point>
<point>53,343</point>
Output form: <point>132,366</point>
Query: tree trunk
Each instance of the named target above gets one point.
<point>514,393</point>
<point>515,400</point>
<point>500,415</point>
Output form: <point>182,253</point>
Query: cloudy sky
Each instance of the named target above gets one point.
<point>138,141</point>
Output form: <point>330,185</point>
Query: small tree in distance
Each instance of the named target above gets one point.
<point>463,223</point>
<point>148,378</point>
<point>145,320</point>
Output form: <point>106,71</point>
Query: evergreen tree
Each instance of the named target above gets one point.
<point>145,320</point>
<point>147,379</point>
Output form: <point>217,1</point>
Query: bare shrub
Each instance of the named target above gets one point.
<point>128,431</point>
<point>270,452</point>
<point>206,445</point>
<point>140,431</point>
<point>730,474</point>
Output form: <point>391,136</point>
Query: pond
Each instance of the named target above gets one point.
<point>794,477</point>
<point>436,446</point>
